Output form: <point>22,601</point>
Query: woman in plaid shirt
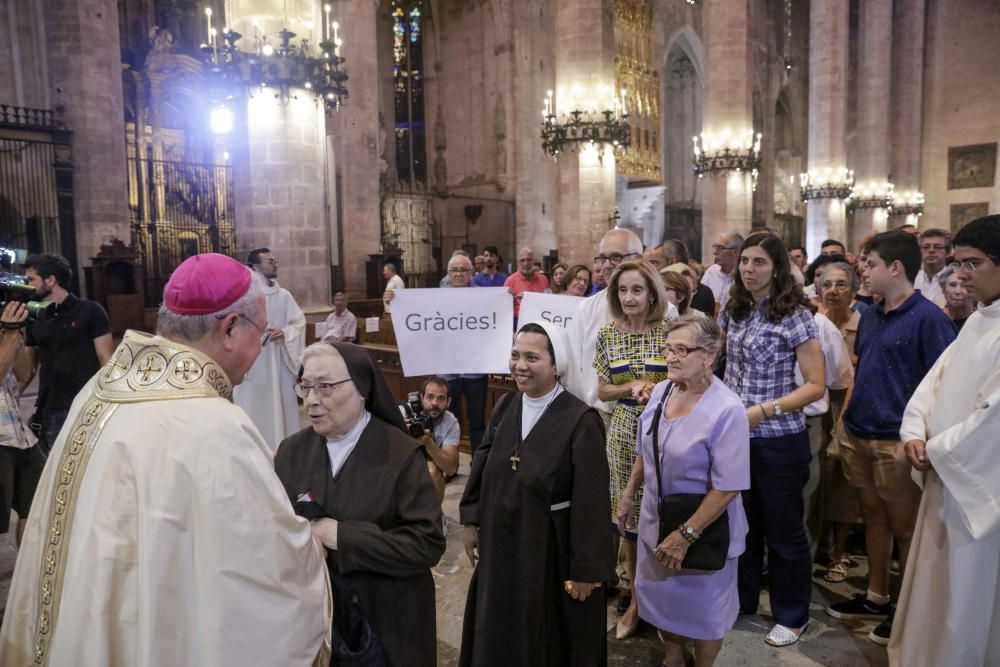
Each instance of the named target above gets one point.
<point>769,326</point>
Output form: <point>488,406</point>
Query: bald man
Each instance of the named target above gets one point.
<point>525,279</point>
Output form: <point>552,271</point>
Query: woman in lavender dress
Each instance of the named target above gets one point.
<point>704,442</point>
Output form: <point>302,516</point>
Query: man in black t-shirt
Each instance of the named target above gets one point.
<point>69,342</point>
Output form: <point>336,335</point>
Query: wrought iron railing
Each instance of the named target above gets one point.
<point>178,209</point>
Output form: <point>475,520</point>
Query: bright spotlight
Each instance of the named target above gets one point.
<point>221,120</point>
<point>267,50</point>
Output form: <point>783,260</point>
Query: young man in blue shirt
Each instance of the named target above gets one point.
<point>898,341</point>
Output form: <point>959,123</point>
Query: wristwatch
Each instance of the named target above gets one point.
<point>688,533</point>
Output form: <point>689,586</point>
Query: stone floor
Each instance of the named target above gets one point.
<point>827,642</point>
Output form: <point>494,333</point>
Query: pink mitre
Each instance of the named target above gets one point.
<point>206,283</point>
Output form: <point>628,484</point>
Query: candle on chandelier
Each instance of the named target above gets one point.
<point>326,23</point>
<point>208,21</point>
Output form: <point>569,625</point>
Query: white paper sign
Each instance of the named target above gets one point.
<point>458,330</point>
<point>559,309</point>
<point>371,325</point>
<point>320,330</point>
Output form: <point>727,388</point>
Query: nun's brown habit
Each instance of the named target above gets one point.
<point>541,525</point>
<point>389,532</point>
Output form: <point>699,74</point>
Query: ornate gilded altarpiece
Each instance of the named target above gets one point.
<point>636,73</point>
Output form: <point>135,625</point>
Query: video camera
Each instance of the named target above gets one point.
<point>15,287</point>
<point>417,421</point>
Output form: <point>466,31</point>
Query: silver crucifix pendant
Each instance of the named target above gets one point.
<point>514,460</point>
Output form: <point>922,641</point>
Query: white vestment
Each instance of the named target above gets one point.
<point>267,393</point>
<point>949,604</point>
<point>581,380</point>
<point>160,534</point>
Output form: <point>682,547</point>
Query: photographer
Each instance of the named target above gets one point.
<point>21,459</point>
<point>441,439</point>
<point>69,341</point>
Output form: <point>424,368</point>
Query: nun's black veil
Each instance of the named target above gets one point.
<point>371,385</point>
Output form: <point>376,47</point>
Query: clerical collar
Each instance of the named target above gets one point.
<point>352,436</point>
<point>544,399</point>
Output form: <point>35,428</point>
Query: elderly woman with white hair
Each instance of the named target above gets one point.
<point>364,481</point>
<point>535,511</point>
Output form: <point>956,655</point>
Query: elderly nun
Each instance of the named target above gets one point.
<point>535,513</point>
<point>357,466</point>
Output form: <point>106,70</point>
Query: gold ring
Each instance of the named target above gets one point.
<point>568,586</point>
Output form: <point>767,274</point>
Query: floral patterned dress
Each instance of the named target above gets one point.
<point>622,357</point>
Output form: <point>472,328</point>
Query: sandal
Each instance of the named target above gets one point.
<point>837,572</point>
<point>783,636</point>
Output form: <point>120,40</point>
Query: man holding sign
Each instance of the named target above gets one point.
<point>468,386</point>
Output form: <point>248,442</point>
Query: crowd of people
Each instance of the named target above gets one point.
<point>693,436</point>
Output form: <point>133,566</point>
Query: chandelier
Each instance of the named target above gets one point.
<point>727,151</point>
<point>910,202</point>
<point>827,183</point>
<point>591,124</point>
<point>275,63</point>
<point>872,194</point>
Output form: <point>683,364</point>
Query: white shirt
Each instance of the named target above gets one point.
<point>340,448</point>
<point>719,283</point>
<point>395,283</point>
<point>929,287</point>
<point>837,369</point>
<point>532,409</point>
<point>338,326</point>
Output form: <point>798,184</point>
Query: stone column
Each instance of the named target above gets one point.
<point>907,95</point>
<point>280,175</point>
<point>874,80</point>
<point>726,196</point>
<point>828,44</point>
<point>356,135</point>
<point>585,78</point>
<point>86,85</point>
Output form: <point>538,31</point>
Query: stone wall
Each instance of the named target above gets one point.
<point>961,104</point>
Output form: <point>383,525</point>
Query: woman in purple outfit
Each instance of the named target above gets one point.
<point>704,441</point>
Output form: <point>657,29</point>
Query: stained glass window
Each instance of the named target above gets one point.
<point>408,86</point>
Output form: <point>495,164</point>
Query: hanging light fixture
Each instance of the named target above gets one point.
<point>872,194</point>
<point>601,122</point>
<point>828,183</point>
<point>727,151</point>
<point>276,63</point>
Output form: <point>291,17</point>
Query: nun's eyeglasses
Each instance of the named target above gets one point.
<point>322,389</point>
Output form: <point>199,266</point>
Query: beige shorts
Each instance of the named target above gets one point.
<point>878,464</point>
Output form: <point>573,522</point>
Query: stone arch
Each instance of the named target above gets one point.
<point>683,100</point>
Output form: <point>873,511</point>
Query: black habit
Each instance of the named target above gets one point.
<point>518,612</point>
<point>389,532</point>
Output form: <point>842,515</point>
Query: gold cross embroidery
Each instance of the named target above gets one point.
<point>150,367</point>
<point>184,368</point>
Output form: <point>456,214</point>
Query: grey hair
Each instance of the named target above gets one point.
<point>457,259</point>
<point>192,328</point>
<point>848,270</point>
<point>942,277</point>
<point>733,236</point>
<point>319,349</point>
<point>634,242</point>
<point>707,333</point>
